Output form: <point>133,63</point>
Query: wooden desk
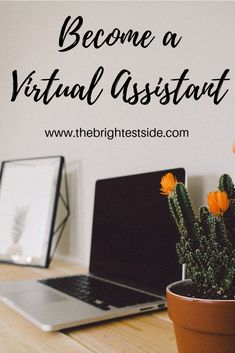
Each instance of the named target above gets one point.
<point>148,333</point>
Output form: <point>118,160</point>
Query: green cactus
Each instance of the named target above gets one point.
<point>181,207</point>
<point>207,243</point>
<point>226,184</point>
<point>232,207</point>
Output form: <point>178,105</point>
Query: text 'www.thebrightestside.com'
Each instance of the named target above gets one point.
<point>116,133</point>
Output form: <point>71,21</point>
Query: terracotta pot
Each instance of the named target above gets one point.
<point>201,325</point>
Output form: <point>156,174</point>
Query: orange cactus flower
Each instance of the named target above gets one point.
<point>233,148</point>
<point>218,202</point>
<point>168,182</point>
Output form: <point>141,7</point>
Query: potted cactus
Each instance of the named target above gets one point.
<point>202,307</point>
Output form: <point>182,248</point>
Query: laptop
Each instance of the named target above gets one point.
<point>132,260</point>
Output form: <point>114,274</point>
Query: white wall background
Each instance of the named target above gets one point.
<point>29,41</point>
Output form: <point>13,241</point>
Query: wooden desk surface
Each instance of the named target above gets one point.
<point>148,333</point>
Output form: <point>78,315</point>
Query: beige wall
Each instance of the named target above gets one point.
<point>29,41</point>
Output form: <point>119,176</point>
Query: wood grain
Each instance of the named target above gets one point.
<point>148,333</point>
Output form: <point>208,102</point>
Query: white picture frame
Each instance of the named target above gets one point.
<point>29,193</point>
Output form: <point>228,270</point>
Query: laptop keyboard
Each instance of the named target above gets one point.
<point>99,293</point>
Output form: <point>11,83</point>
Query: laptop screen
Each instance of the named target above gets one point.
<point>134,235</point>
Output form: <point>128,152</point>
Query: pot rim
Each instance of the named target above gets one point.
<point>171,285</point>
